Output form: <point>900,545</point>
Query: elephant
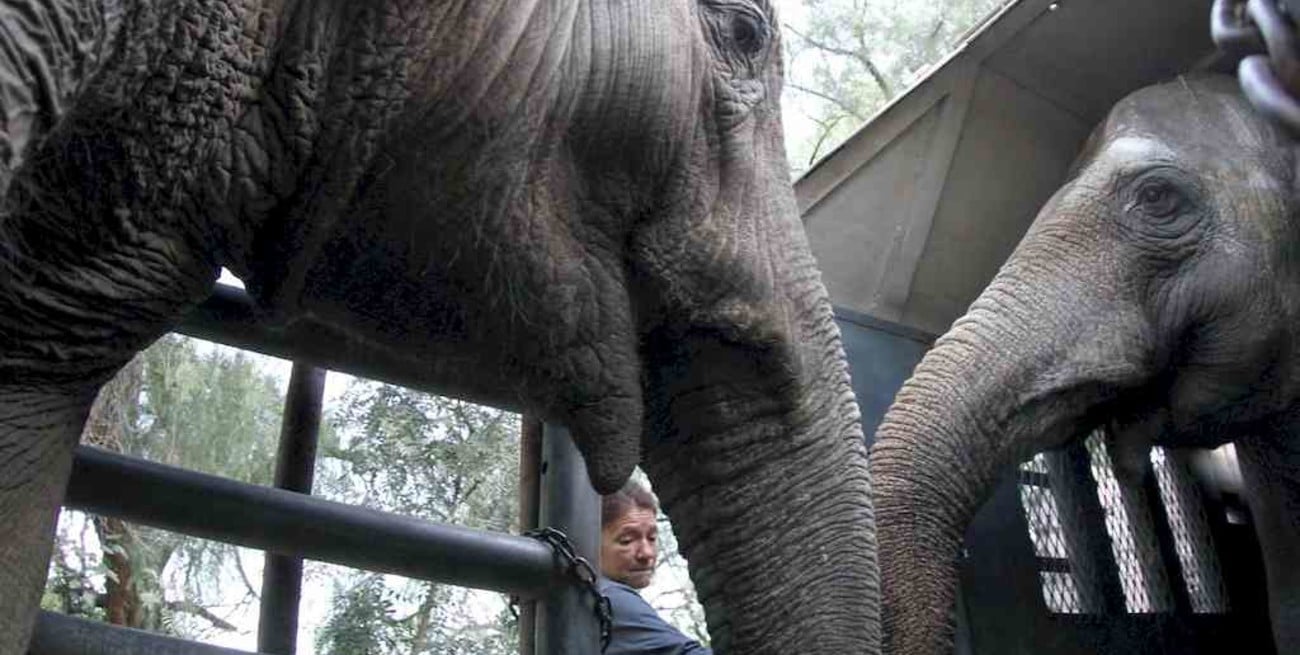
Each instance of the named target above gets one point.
<point>1156,295</point>
<point>578,209</point>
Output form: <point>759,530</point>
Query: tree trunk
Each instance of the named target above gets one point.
<point>105,428</point>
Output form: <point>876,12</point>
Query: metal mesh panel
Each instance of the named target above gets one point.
<point>1044,522</point>
<point>1132,539</point>
<point>1191,531</point>
<point>1050,544</point>
<point>1060,592</point>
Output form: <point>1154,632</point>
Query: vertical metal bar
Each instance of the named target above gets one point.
<point>1164,536</point>
<point>566,621</point>
<point>1083,521</point>
<point>530,464</point>
<point>277,625</point>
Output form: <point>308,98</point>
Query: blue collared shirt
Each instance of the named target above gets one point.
<point>638,629</point>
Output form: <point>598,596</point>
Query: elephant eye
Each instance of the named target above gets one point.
<point>1159,198</point>
<point>748,33</point>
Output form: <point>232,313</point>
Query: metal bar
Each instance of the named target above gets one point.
<point>58,634</point>
<point>566,621</point>
<point>304,526</point>
<point>1035,478</point>
<point>1165,541</point>
<point>530,470</point>
<point>231,317</point>
<point>1083,522</point>
<point>295,464</point>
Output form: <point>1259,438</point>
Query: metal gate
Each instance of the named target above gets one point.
<point>1067,559</point>
<point>557,615</point>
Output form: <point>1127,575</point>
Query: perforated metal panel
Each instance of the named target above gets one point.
<point>1060,592</point>
<point>1191,531</point>
<point>1132,539</point>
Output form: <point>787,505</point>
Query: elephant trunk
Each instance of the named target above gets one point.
<point>1018,374</point>
<point>760,461</point>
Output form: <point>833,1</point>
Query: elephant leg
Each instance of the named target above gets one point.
<point>1270,467</point>
<point>77,301</point>
<point>37,433</point>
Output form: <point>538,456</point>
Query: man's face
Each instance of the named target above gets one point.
<point>627,548</point>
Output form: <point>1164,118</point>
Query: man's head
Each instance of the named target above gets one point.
<point>629,535</point>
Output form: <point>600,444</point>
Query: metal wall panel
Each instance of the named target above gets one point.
<point>853,229</point>
<point>881,357</point>
<point>1087,54</point>
<point>1014,152</point>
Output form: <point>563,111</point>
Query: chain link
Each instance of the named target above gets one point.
<point>577,567</point>
<point>1264,33</point>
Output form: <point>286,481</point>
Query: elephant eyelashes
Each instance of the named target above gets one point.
<point>1158,198</point>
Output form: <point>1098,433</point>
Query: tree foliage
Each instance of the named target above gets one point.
<point>848,58</point>
<point>435,458</point>
<point>186,404</point>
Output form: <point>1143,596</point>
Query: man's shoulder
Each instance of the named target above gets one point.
<point>606,585</point>
<point>638,628</point>
<point>619,593</point>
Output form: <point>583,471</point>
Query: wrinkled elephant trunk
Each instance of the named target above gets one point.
<point>922,508</point>
<point>38,430</point>
<point>763,470</point>
<point>1011,378</point>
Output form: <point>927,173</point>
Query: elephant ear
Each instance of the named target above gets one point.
<point>609,465</point>
<point>1129,442</point>
<point>610,443</point>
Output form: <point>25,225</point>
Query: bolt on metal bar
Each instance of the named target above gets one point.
<point>58,634</point>
<point>566,623</point>
<point>304,526</point>
<point>295,463</point>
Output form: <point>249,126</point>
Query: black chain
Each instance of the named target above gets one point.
<point>577,567</point>
<point>1264,33</point>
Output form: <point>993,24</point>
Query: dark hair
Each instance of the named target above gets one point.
<point>614,506</point>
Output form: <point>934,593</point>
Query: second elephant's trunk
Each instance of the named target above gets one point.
<point>1011,378</point>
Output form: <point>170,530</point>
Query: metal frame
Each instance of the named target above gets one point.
<point>291,525</point>
<point>295,469</point>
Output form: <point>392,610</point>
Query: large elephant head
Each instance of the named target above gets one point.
<point>1157,294</point>
<point>581,209</point>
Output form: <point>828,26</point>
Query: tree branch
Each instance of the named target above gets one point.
<point>843,106</point>
<point>239,565</point>
<point>821,138</point>
<point>189,607</point>
<point>859,56</point>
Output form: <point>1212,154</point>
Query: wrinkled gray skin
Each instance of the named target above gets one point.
<point>1156,293</point>
<point>580,209</point>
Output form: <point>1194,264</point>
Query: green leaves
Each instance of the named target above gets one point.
<point>847,58</point>
<point>185,403</point>
<point>436,458</point>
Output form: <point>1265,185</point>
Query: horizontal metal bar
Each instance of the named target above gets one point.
<point>231,317</point>
<point>304,526</point>
<point>1054,565</point>
<point>59,634</point>
<point>1035,478</point>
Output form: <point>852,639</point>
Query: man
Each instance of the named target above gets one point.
<point>628,554</point>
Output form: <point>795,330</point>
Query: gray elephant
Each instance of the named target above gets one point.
<point>1157,293</point>
<point>581,209</point>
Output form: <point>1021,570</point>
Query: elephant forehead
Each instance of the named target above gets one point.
<point>1132,149</point>
<point>1201,117</point>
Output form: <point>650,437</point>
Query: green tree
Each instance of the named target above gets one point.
<point>848,58</point>
<point>430,457</point>
<point>184,404</point>
<point>360,620</point>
